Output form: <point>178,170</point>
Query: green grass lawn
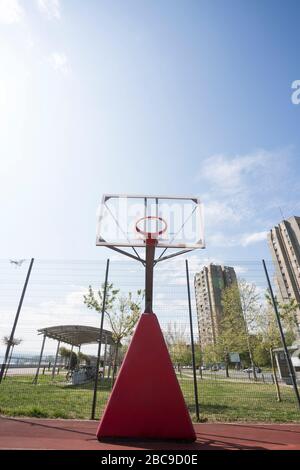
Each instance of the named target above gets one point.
<point>219,400</point>
<point>47,399</point>
<point>228,401</point>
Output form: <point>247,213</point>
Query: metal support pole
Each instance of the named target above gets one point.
<point>100,341</point>
<point>70,360</point>
<point>55,360</point>
<point>9,360</point>
<point>287,356</point>
<point>79,349</point>
<point>274,376</point>
<point>192,341</point>
<point>105,357</point>
<point>40,360</point>
<point>150,253</point>
<point>9,344</point>
<point>109,360</point>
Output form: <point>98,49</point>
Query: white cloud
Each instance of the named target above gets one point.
<point>230,174</point>
<point>50,8</point>
<point>11,12</point>
<point>59,62</point>
<point>220,239</point>
<point>253,238</point>
<point>234,187</point>
<point>216,212</point>
<point>246,175</point>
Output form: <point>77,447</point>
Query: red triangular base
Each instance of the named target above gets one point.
<point>146,401</point>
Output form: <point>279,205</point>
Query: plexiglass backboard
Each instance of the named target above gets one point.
<point>118,215</point>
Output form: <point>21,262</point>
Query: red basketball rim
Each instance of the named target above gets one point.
<point>148,234</point>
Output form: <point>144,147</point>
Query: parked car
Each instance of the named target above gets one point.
<point>214,368</point>
<point>249,370</point>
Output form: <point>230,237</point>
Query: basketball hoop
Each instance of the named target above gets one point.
<point>121,227</point>
<point>149,234</point>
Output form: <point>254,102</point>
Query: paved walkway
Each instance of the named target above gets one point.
<point>26,433</point>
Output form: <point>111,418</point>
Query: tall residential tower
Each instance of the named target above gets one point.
<point>209,285</point>
<point>284,243</point>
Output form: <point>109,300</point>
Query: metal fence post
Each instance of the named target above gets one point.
<point>100,342</point>
<point>287,356</point>
<point>192,342</point>
<point>16,320</point>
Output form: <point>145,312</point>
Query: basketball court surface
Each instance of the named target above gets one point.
<point>37,434</point>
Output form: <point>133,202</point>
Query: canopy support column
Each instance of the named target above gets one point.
<point>55,360</point>
<point>35,380</point>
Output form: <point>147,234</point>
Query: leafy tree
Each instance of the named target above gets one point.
<point>268,328</point>
<point>121,311</point>
<point>270,337</point>
<point>94,299</point>
<point>250,305</point>
<point>287,311</point>
<point>232,333</point>
<point>179,350</point>
<point>261,352</point>
<point>64,353</point>
<point>198,355</point>
<point>71,356</point>
<point>210,355</point>
<point>122,319</point>
<point>83,357</point>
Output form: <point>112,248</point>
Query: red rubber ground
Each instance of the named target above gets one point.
<point>25,433</point>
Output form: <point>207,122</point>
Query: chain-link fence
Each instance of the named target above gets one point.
<point>59,383</point>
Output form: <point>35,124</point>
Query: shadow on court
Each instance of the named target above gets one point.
<point>23,433</point>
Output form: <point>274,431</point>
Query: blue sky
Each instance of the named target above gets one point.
<point>164,97</point>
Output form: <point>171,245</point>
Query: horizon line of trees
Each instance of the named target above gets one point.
<point>247,327</point>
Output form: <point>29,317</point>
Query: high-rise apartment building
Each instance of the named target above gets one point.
<point>284,242</point>
<point>209,285</point>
